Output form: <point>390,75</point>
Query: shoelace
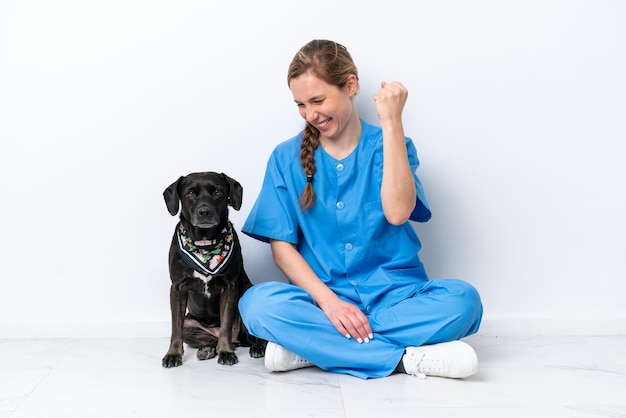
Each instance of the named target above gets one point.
<point>425,365</point>
<point>301,360</point>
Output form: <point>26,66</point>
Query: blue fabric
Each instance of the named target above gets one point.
<point>435,311</point>
<point>349,244</point>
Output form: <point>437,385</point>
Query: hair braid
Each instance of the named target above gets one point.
<point>310,142</point>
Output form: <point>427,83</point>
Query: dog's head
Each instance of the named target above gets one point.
<point>203,198</point>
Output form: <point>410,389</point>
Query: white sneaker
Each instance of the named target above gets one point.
<point>279,359</point>
<point>454,359</point>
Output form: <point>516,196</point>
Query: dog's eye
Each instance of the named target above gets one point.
<point>218,193</point>
<point>190,194</point>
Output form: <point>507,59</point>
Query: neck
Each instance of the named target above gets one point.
<point>342,146</point>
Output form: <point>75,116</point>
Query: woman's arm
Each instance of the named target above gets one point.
<point>346,317</point>
<point>398,187</point>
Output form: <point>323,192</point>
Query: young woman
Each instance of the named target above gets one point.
<point>334,206</point>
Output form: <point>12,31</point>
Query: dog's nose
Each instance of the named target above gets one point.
<point>203,212</point>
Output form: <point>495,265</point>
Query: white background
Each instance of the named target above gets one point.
<point>517,108</point>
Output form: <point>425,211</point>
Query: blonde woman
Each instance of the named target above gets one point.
<point>335,206</point>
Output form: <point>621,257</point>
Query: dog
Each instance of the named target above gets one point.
<point>206,270</point>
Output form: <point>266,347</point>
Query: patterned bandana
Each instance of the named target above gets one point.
<point>206,256</point>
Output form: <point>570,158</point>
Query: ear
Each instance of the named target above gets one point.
<point>171,197</point>
<point>352,85</point>
<point>235,193</point>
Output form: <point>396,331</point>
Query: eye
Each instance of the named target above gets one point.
<point>190,194</point>
<point>218,193</point>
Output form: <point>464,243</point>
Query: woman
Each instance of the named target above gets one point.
<point>334,206</point>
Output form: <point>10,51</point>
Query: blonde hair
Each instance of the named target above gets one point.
<point>332,63</point>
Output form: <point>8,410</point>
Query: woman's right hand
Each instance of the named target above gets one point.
<point>348,319</point>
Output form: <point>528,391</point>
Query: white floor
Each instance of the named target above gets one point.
<point>518,377</point>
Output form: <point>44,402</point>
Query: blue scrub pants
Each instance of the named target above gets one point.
<point>438,311</point>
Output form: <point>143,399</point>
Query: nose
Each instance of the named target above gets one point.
<point>309,114</point>
<point>203,211</point>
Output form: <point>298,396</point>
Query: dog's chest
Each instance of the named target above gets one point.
<point>205,280</point>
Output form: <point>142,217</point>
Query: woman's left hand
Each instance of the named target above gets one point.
<point>390,100</point>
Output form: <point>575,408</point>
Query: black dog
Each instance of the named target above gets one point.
<point>206,269</point>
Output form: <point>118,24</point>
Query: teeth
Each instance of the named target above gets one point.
<point>319,125</point>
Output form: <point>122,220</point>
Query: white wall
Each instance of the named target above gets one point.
<point>518,110</point>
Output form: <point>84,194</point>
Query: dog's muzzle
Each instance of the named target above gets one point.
<point>205,216</point>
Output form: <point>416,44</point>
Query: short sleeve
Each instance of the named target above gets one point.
<point>272,216</point>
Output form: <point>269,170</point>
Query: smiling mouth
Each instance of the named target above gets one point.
<point>322,124</point>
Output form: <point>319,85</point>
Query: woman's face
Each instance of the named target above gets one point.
<point>327,107</point>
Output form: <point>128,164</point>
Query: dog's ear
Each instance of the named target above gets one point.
<point>171,197</point>
<point>235,193</point>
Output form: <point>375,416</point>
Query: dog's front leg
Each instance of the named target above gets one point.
<point>178,306</point>
<point>228,313</point>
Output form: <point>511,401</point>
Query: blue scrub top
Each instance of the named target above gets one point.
<point>344,236</point>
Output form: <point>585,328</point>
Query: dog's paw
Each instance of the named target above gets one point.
<point>172,360</point>
<point>257,350</point>
<point>227,358</point>
<point>206,353</point>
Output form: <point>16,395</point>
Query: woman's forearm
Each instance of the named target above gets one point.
<point>298,271</point>
<point>397,192</point>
